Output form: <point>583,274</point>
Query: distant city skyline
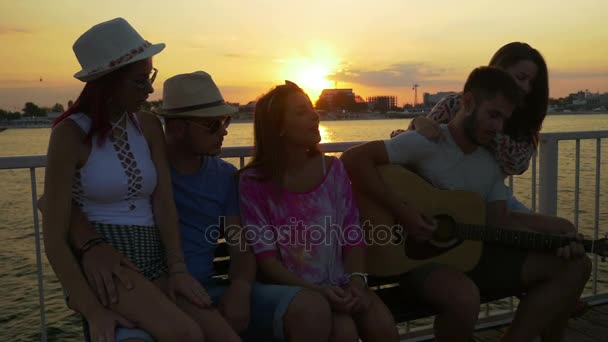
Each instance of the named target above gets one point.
<point>380,48</point>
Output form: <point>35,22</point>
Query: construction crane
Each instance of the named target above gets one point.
<point>415,89</point>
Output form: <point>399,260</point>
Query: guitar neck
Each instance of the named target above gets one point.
<point>515,238</point>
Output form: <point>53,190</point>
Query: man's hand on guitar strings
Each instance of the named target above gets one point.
<point>416,223</point>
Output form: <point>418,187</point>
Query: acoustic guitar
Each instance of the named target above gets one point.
<point>460,234</point>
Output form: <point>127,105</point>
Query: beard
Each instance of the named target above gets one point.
<point>470,127</point>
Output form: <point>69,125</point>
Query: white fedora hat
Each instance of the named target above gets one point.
<point>108,46</point>
<point>193,95</point>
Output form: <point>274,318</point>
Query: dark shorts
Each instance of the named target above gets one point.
<point>498,273</point>
<point>140,244</point>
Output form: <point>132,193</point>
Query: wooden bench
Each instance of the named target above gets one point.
<point>388,289</point>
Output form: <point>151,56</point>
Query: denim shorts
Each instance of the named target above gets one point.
<point>269,305</point>
<point>515,205</point>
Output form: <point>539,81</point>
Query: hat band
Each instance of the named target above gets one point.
<point>195,107</point>
<point>124,58</point>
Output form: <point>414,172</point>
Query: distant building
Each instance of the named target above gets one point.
<point>430,100</point>
<point>382,103</point>
<point>249,107</point>
<point>327,96</point>
<point>359,99</point>
<point>592,99</point>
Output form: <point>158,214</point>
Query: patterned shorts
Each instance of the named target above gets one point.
<point>140,244</point>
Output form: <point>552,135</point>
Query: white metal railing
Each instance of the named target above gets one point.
<point>548,156</point>
<point>548,183</point>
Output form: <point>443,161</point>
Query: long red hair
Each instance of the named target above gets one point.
<point>94,100</point>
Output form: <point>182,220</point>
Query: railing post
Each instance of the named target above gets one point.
<point>548,176</point>
<point>38,256</point>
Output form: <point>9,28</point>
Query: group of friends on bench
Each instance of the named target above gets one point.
<point>133,211</point>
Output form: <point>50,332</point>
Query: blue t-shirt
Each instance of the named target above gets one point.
<point>203,200</point>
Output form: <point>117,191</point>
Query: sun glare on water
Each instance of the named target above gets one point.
<point>325,137</point>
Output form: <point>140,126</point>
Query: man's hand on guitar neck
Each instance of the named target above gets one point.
<point>500,216</point>
<point>545,224</point>
<point>573,250</point>
<point>414,222</point>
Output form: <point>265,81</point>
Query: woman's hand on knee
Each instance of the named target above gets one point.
<point>101,264</point>
<point>183,284</point>
<point>340,300</point>
<point>362,295</point>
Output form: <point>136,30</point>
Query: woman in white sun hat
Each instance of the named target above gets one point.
<point>110,160</point>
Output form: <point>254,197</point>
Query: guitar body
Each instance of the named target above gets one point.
<point>388,258</point>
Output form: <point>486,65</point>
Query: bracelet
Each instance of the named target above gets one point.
<point>88,245</point>
<point>359,274</point>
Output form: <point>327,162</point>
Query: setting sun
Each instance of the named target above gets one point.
<point>310,72</point>
<point>313,80</point>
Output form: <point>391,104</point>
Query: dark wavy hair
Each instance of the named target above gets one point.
<point>528,116</point>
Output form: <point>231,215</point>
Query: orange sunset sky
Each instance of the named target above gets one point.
<point>379,47</point>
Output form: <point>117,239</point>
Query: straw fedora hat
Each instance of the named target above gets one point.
<point>108,46</point>
<point>193,95</point>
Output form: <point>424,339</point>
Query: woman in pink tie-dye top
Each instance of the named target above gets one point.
<point>310,231</point>
<point>301,219</point>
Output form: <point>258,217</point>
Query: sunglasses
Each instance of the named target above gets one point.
<point>143,84</point>
<point>212,126</point>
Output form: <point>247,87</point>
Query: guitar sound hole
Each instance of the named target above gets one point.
<point>445,228</point>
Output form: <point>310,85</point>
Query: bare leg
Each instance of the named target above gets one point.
<point>308,318</point>
<point>554,286</point>
<point>152,311</point>
<point>214,326</point>
<point>377,323</point>
<point>456,298</point>
<point>343,329</point>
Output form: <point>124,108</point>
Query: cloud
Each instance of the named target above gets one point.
<point>12,30</point>
<point>12,83</point>
<point>224,52</point>
<point>563,74</point>
<point>244,94</point>
<point>396,75</point>
<point>235,55</point>
<point>197,46</point>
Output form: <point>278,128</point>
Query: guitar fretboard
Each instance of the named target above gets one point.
<point>515,238</point>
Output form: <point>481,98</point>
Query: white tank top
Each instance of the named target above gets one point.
<point>116,183</point>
